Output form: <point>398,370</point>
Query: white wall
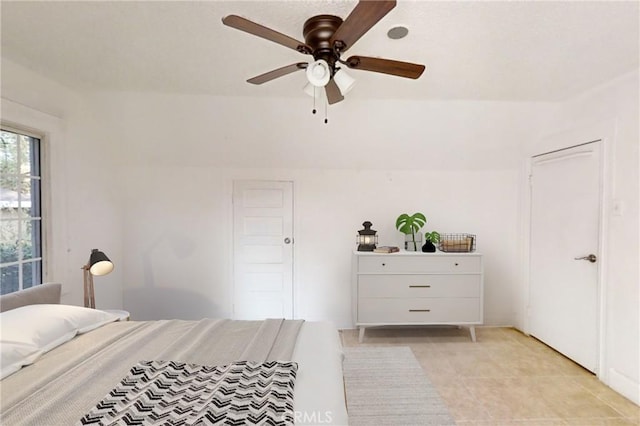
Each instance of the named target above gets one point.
<point>612,112</point>
<point>455,161</point>
<point>178,234</point>
<point>81,208</point>
<point>154,172</point>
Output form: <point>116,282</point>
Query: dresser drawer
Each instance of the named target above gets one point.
<point>412,286</point>
<point>419,310</point>
<point>419,263</point>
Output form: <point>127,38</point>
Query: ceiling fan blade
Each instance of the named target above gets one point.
<point>333,92</point>
<point>364,16</point>
<point>386,66</point>
<point>272,75</point>
<point>243,24</point>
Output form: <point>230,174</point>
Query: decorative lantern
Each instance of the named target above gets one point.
<point>367,238</point>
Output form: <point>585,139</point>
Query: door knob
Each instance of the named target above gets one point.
<point>591,258</point>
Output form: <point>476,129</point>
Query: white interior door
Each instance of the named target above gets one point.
<point>565,225</point>
<point>263,253</point>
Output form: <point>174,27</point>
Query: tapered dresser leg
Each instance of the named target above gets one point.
<point>361,334</point>
<point>472,331</point>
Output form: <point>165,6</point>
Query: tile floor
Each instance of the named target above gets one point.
<point>505,378</point>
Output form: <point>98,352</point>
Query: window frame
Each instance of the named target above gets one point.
<point>44,196</point>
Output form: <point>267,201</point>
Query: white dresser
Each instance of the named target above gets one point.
<point>414,288</point>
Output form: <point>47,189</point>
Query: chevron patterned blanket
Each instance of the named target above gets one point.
<point>176,393</point>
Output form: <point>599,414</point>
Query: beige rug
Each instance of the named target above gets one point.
<point>386,386</point>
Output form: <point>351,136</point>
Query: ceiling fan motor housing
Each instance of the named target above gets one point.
<point>317,32</point>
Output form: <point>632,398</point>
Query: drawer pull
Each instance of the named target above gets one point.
<point>419,310</point>
<point>419,286</point>
<point>456,264</point>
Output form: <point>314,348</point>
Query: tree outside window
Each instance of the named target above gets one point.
<point>20,212</point>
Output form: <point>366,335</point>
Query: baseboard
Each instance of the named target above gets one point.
<point>624,385</point>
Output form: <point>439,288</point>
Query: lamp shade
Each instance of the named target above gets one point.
<point>99,263</point>
<point>315,92</point>
<point>309,89</point>
<point>344,81</point>
<point>319,73</point>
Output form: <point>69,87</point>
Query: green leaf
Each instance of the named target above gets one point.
<point>401,220</point>
<point>432,236</point>
<point>410,224</point>
<point>419,219</point>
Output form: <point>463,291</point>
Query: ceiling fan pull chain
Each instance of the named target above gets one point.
<point>326,119</point>
<point>314,100</point>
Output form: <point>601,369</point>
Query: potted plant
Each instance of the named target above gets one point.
<point>409,225</point>
<point>431,239</point>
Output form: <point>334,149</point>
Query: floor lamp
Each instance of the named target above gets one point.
<point>99,264</point>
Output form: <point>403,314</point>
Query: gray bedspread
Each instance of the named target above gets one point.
<point>66,382</point>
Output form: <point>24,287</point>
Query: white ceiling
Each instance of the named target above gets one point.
<point>520,51</point>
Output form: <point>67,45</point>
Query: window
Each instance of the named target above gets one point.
<point>20,208</point>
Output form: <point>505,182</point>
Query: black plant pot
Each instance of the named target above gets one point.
<point>428,247</point>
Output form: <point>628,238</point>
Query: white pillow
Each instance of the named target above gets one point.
<point>30,331</point>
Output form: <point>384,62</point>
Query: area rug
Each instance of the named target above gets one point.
<point>386,386</point>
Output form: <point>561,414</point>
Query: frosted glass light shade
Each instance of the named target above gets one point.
<point>344,81</point>
<point>319,94</point>
<point>309,89</point>
<point>318,73</point>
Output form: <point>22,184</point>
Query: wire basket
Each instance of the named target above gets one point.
<point>457,243</point>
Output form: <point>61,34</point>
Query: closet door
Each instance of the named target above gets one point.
<point>263,249</point>
<point>565,232</point>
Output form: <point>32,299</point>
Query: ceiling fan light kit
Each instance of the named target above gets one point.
<point>326,38</point>
<point>319,73</point>
<point>344,81</point>
<point>309,89</point>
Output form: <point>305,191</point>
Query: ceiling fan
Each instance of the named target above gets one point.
<point>326,38</point>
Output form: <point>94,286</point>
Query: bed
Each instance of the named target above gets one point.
<point>164,372</point>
